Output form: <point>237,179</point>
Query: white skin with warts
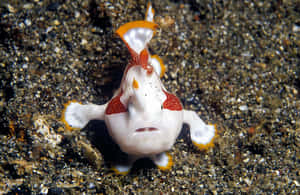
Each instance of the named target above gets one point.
<point>145,130</point>
<point>144,106</point>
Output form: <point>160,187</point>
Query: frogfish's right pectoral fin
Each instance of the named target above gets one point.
<point>76,115</point>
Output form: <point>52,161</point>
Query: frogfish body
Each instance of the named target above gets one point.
<point>143,118</point>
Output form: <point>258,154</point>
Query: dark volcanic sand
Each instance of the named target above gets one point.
<point>235,62</point>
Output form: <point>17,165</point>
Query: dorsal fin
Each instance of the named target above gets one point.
<point>136,35</point>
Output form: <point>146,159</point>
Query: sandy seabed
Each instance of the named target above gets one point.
<point>234,62</point>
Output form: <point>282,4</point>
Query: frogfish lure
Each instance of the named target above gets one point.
<point>142,117</point>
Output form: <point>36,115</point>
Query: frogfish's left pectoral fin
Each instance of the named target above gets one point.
<point>204,141</point>
<point>202,135</point>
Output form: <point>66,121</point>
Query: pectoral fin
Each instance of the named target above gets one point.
<point>202,135</point>
<point>76,115</point>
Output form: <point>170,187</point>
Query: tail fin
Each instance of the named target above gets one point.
<point>137,34</point>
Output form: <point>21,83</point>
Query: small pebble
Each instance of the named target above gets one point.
<point>243,108</point>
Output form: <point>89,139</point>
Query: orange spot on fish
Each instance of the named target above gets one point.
<point>135,84</point>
